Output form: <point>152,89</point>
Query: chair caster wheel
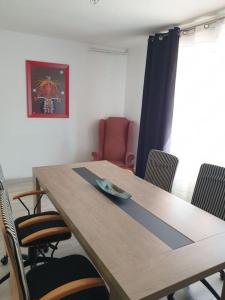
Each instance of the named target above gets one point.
<point>4,260</point>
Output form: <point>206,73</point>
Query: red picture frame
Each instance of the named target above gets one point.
<point>47,89</point>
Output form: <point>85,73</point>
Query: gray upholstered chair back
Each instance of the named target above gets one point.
<point>209,191</point>
<point>11,235</point>
<point>160,169</point>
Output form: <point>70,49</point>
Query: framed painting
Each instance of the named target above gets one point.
<point>47,90</point>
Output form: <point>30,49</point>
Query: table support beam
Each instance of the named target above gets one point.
<point>114,295</point>
<point>223,292</point>
<point>36,198</point>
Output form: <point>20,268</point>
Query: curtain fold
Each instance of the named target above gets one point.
<point>158,95</point>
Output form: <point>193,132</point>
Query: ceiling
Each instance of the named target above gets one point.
<point>115,23</point>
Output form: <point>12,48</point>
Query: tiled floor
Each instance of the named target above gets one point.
<point>194,292</point>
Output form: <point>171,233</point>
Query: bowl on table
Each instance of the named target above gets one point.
<point>112,189</point>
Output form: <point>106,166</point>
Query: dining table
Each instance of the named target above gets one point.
<point>145,246</point>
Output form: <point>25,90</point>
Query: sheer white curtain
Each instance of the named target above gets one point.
<point>198,132</point>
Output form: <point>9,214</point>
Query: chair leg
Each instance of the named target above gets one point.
<point>210,288</point>
<point>44,248</point>
<point>222,274</point>
<point>4,260</point>
<point>54,248</point>
<point>207,285</point>
<point>4,278</point>
<point>32,256</point>
<point>38,260</point>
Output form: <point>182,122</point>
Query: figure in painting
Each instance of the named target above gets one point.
<point>48,93</point>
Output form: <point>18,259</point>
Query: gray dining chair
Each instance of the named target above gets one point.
<point>209,192</point>
<point>161,169</point>
<point>209,195</point>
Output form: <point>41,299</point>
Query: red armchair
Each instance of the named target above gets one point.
<point>115,142</point>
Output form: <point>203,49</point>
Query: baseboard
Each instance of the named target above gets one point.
<point>23,180</point>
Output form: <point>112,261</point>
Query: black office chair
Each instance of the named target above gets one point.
<point>161,169</point>
<point>209,195</point>
<point>71,277</point>
<point>35,231</point>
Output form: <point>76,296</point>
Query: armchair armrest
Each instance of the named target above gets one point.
<point>73,287</point>
<point>129,158</point>
<point>29,193</point>
<point>97,155</point>
<point>39,219</point>
<point>43,234</point>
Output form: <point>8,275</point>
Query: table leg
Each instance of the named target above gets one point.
<point>114,295</point>
<point>223,292</point>
<point>36,187</point>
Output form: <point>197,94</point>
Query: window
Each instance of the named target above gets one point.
<point>198,131</point>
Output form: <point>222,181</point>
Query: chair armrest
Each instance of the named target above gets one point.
<point>73,287</point>
<point>30,193</point>
<point>43,234</point>
<point>129,158</point>
<point>39,219</point>
<point>21,195</point>
<point>97,155</point>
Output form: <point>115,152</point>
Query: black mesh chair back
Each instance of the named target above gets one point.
<point>209,191</point>
<point>161,169</point>
<point>11,238</point>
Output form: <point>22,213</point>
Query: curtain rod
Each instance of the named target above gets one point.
<point>108,51</point>
<point>206,22</point>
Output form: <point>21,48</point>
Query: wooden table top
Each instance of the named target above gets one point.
<point>133,261</point>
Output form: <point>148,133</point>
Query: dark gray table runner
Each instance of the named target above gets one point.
<point>166,233</point>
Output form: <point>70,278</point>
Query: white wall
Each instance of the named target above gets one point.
<point>97,89</point>
<point>134,84</point>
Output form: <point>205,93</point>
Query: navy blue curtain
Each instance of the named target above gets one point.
<point>158,95</point>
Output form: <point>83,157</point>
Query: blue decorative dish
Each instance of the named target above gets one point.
<point>111,189</point>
